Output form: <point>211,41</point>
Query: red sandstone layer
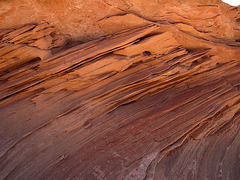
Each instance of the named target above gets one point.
<point>156,98</point>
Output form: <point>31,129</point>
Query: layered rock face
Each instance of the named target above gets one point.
<point>156,96</point>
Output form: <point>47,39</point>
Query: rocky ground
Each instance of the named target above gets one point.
<point>109,89</point>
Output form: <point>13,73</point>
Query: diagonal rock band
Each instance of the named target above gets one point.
<point>154,101</point>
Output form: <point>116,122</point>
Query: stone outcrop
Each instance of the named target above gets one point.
<point>88,20</point>
<point>156,96</point>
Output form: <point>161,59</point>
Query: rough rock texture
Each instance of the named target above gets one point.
<point>157,98</point>
<point>86,20</point>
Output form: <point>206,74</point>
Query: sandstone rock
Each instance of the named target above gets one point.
<point>157,97</point>
<point>117,23</point>
<point>80,19</point>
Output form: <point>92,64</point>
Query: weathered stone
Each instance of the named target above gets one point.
<point>156,97</point>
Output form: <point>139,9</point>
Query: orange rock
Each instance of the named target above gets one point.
<point>155,97</point>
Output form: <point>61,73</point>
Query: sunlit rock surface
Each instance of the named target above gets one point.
<point>153,94</point>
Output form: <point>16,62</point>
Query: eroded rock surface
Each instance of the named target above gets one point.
<point>157,98</point>
<point>86,20</point>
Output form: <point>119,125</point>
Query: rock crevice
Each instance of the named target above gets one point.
<point>155,98</point>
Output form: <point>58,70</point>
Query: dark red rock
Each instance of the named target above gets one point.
<point>158,100</point>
